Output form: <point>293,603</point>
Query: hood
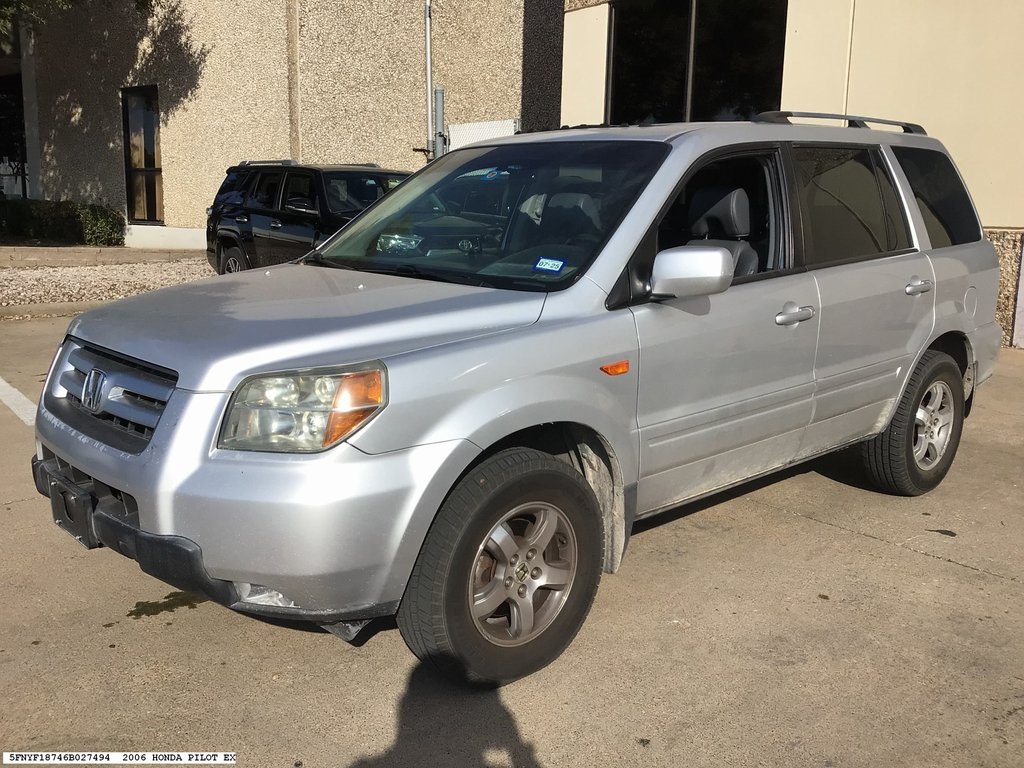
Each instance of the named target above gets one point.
<point>214,332</point>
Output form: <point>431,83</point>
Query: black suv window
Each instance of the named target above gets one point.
<point>945,206</point>
<point>851,209</point>
<point>264,195</point>
<point>232,189</point>
<point>299,185</point>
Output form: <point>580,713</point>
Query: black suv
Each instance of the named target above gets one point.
<point>272,211</point>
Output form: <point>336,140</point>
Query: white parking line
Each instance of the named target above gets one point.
<point>23,408</point>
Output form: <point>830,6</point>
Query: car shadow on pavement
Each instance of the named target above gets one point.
<point>442,723</point>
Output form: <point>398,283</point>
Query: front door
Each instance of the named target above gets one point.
<point>726,380</point>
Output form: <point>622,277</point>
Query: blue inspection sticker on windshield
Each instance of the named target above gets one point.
<point>548,265</point>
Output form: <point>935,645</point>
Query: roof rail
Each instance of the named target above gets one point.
<point>268,162</point>
<point>853,121</point>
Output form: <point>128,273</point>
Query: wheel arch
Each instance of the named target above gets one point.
<point>228,239</point>
<point>586,449</point>
<point>957,345</point>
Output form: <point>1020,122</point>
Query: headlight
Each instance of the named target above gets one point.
<point>303,411</point>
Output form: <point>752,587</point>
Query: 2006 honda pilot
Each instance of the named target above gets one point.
<point>456,408</point>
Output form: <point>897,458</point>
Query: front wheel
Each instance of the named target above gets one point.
<point>508,571</point>
<point>916,450</point>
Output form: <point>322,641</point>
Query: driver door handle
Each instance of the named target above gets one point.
<point>917,286</point>
<point>242,218</point>
<point>792,314</point>
<point>275,224</point>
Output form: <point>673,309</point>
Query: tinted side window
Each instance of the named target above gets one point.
<point>233,187</point>
<point>264,195</point>
<point>299,185</point>
<point>845,216</point>
<point>945,206</point>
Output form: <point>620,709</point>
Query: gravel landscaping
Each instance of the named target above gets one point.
<point>20,286</point>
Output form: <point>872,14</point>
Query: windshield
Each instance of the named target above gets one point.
<point>522,216</point>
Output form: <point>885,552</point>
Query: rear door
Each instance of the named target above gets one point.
<point>262,211</point>
<point>876,288</point>
<point>295,231</point>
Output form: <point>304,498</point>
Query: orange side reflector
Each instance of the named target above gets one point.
<point>616,369</point>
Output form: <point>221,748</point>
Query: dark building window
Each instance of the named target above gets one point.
<point>142,154</point>
<point>677,60</point>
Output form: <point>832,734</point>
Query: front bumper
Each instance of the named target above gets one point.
<point>336,533</point>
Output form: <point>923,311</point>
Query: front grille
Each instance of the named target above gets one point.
<point>115,399</point>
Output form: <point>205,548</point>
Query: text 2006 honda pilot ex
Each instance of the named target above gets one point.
<point>456,408</point>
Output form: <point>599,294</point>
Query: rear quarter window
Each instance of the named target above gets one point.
<point>232,189</point>
<point>945,205</point>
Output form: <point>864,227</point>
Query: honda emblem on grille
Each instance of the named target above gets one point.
<point>92,390</point>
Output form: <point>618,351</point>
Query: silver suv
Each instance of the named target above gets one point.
<point>456,408</point>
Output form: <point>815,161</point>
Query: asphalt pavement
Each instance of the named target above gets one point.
<point>798,621</point>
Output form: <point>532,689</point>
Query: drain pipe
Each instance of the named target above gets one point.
<point>430,83</point>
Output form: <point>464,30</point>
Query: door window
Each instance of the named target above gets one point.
<point>731,203</point>
<point>850,206</point>
<point>264,194</point>
<point>299,185</point>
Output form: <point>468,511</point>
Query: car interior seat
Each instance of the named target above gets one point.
<point>720,217</point>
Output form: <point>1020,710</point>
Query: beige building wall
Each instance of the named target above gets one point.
<point>314,80</point>
<point>585,65</point>
<point>946,64</point>
<point>216,106</point>
<point>362,74</point>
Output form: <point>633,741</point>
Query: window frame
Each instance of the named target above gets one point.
<point>641,262</point>
<point>880,164</point>
<point>130,171</point>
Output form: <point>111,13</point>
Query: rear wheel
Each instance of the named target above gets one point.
<point>232,260</point>
<point>917,449</point>
<point>508,571</point>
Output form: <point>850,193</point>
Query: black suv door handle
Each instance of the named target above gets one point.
<point>917,286</point>
<point>242,218</point>
<point>792,314</point>
<point>275,224</point>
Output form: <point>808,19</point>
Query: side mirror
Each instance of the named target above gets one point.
<point>300,205</point>
<point>691,270</point>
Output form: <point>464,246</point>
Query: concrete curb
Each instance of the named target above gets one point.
<point>73,256</point>
<point>57,309</point>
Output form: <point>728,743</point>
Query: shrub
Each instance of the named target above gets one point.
<point>61,221</point>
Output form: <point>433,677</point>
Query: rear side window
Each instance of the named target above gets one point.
<point>945,206</point>
<point>233,188</point>
<point>264,195</point>
<point>851,210</point>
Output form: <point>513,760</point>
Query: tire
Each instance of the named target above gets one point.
<point>487,545</point>
<point>916,450</point>
<point>232,260</point>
